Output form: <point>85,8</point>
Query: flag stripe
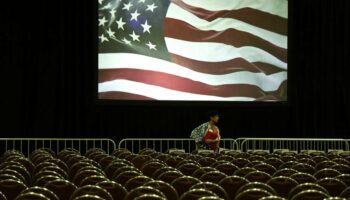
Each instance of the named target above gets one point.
<point>159,93</point>
<point>184,31</point>
<point>123,96</point>
<point>132,61</point>
<point>275,7</point>
<point>181,84</point>
<point>225,67</point>
<point>218,52</point>
<point>220,24</point>
<point>251,16</point>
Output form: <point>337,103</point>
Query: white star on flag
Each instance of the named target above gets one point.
<point>126,41</point>
<point>127,6</point>
<point>100,1</point>
<point>151,46</point>
<point>142,1</point>
<point>112,12</point>
<point>108,6</point>
<point>134,36</point>
<point>134,15</point>
<point>110,33</point>
<point>103,38</point>
<point>146,27</point>
<point>102,21</point>
<point>120,23</point>
<point>151,7</point>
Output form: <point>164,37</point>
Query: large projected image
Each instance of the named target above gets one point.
<point>193,50</point>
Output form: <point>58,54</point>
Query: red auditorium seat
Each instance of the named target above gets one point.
<point>40,166</point>
<point>62,188</point>
<point>141,191</point>
<point>327,172</point>
<point>115,189</point>
<point>307,161</point>
<point>125,154</point>
<point>104,162</point>
<point>136,182</point>
<point>345,178</point>
<point>310,195</point>
<point>150,167</point>
<point>324,164</point>
<point>306,186</point>
<point>285,172</point>
<point>216,163</point>
<point>258,176</point>
<point>92,151</point>
<point>41,190</point>
<point>256,158</point>
<point>173,161</point>
<point>8,176</point>
<point>306,168</point>
<point>112,167</point>
<point>227,168</point>
<point>11,188</point>
<point>260,185</point>
<point>184,183</point>
<point>45,179</point>
<point>124,169</point>
<point>288,158</point>
<point>276,162</point>
<point>288,164</point>
<point>62,154</point>
<point>167,189</point>
<point>341,161</point>
<point>26,163</point>
<point>265,168</point>
<point>119,151</point>
<point>92,190</point>
<point>13,173</point>
<point>74,159</point>
<point>231,184</point>
<point>196,194</point>
<point>31,196</point>
<point>56,169</point>
<point>194,157</point>
<point>217,189</point>
<point>169,176</point>
<point>150,197</point>
<point>333,185</point>
<point>82,174</point>
<point>342,168</point>
<point>214,176</point>
<point>252,194</point>
<point>301,177</point>
<point>88,197</point>
<point>187,161</point>
<point>139,160</point>
<point>225,158</point>
<point>45,173</point>
<point>206,161</point>
<point>282,185</point>
<point>92,180</point>
<point>20,169</point>
<point>77,168</point>
<point>244,171</point>
<point>199,172</point>
<point>125,176</point>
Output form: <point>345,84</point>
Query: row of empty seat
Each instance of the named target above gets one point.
<point>177,175</point>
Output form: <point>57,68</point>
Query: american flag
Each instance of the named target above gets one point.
<point>206,50</point>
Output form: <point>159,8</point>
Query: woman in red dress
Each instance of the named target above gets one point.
<point>212,137</point>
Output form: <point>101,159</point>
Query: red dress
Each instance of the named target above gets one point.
<point>212,135</point>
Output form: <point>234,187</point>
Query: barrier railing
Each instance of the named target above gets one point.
<point>294,144</point>
<point>27,145</point>
<point>164,144</point>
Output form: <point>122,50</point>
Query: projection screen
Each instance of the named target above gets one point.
<point>192,50</point>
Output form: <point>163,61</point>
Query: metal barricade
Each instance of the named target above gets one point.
<point>164,144</point>
<point>293,144</point>
<point>28,145</point>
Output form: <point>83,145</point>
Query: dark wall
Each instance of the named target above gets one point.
<point>49,73</point>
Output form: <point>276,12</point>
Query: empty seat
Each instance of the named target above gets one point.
<point>139,191</point>
<point>214,176</point>
<point>258,176</point>
<point>206,161</point>
<point>93,150</point>
<point>184,183</point>
<point>345,193</point>
<point>104,162</point>
<point>13,173</point>
<point>231,184</point>
<point>345,178</point>
<point>168,190</point>
<point>327,172</point>
<point>319,158</point>
<point>188,168</point>
<point>252,194</point>
<point>276,162</point>
<point>136,182</point>
<point>125,176</point>
<point>119,151</point>
<point>282,185</point>
<point>344,169</point>
<point>169,176</point>
<point>45,179</point>
<point>41,190</point>
<point>56,169</point>
<point>31,196</point>
<point>285,172</point>
<point>173,161</point>
<point>219,163</point>
<point>334,186</point>
<point>62,188</point>
<point>260,185</point>
<point>92,190</point>
<point>11,188</point>
<point>196,194</point>
<point>139,160</point>
<point>116,190</point>
<point>288,164</point>
<point>2,196</point>
<point>303,167</point>
<point>124,169</point>
<point>244,171</point>
<point>272,198</point>
<point>307,161</point>
<point>310,195</point>
<point>92,180</point>
<point>149,168</point>
<point>217,189</point>
<point>264,167</point>
<point>301,177</point>
<point>324,164</point>
<point>240,162</point>
<point>227,168</point>
<point>306,186</point>
<point>225,158</point>
<point>88,197</point>
<point>199,172</point>
<point>82,174</point>
<point>149,197</point>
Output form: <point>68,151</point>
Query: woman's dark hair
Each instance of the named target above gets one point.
<point>212,113</point>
